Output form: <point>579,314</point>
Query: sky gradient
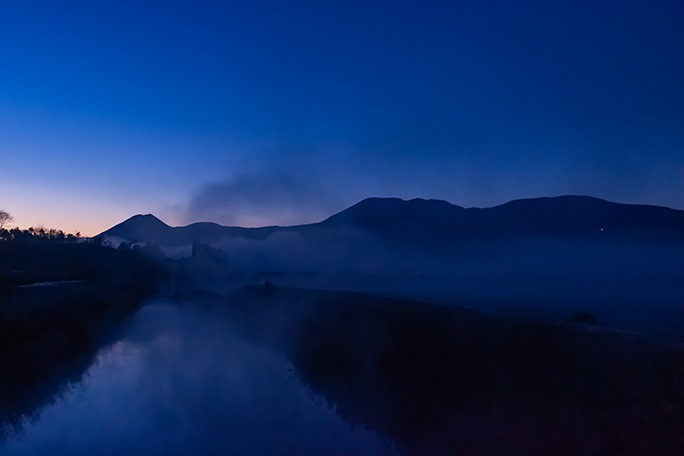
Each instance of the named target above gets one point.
<point>266,112</point>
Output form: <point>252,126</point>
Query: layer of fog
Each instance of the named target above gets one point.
<point>634,284</point>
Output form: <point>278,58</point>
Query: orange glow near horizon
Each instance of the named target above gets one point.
<point>86,223</point>
<point>62,211</point>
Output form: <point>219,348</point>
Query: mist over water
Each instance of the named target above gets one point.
<point>633,285</point>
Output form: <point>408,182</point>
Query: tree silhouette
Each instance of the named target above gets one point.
<point>5,218</point>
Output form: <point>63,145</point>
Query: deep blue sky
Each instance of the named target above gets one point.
<point>262,112</point>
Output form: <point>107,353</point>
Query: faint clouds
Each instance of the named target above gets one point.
<point>262,199</point>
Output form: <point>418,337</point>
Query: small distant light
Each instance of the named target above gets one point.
<point>601,229</point>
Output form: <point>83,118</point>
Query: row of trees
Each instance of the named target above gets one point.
<point>38,234</point>
<point>32,234</point>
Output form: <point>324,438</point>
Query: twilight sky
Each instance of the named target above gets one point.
<point>282,112</point>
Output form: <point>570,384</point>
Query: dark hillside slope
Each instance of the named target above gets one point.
<point>583,215</point>
<point>394,215</point>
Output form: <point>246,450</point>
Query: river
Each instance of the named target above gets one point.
<point>181,381</point>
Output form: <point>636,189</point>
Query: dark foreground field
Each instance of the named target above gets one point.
<point>443,380</point>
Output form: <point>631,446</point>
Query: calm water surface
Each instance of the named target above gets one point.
<point>181,381</point>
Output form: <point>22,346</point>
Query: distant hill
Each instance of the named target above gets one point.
<point>436,220</point>
<point>563,215</point>
<point>148,228</point>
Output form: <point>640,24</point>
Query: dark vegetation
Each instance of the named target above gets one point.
<point>444,380</point>
<point>27,262</point>
<point>38,234</point>
<point>59,303</point>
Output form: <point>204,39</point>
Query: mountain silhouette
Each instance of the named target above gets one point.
<point>563,215</point>
<point>584,214</point>
<point>141,227</point>
<point>149,229</point>
<point>437,220</point>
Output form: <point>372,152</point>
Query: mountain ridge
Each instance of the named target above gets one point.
<point>397,218</point>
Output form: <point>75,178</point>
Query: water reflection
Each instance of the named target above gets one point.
<point>278,371</point>
<point>181,382</point>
